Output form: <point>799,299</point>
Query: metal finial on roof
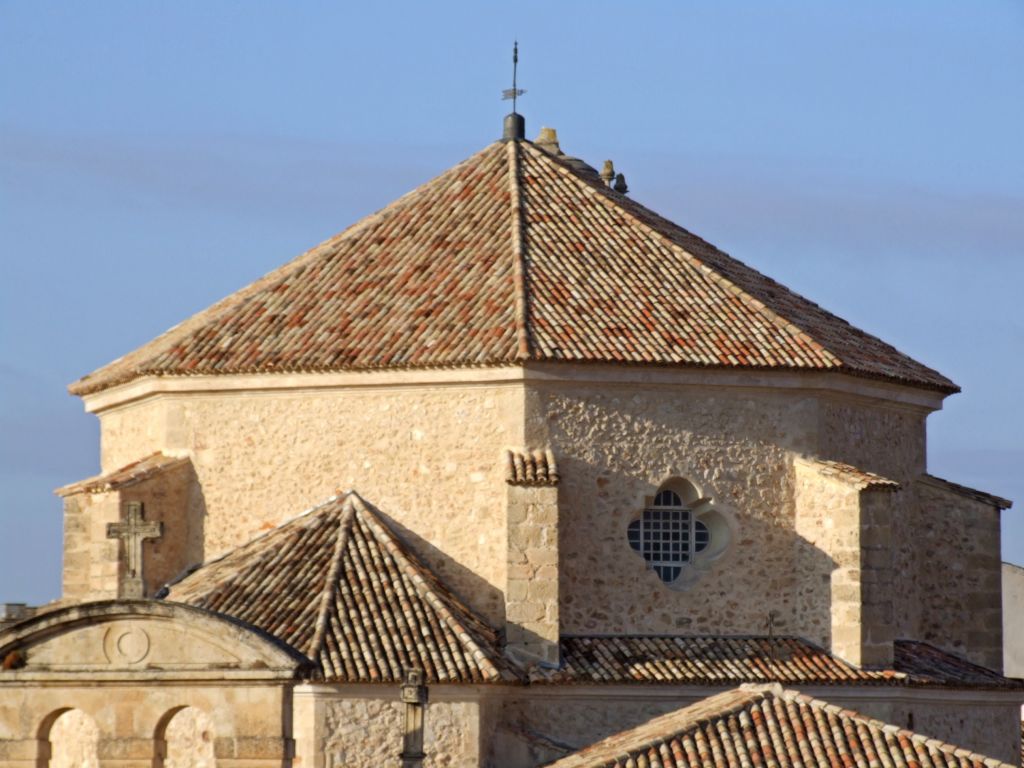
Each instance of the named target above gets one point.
<point>515,126</point>
<point>513,92</point>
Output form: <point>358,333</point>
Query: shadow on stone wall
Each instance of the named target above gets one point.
<point>473,590</point>
<point>812,593</point>
<point>174,498</point>
<point>607,588</point>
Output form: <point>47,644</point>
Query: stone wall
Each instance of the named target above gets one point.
<point>957,583</point>
<point>535,731</point>
<point>74,741</point>
<point>885,438</point>
<point>428,457</point>
<point>363,732</point>
<point>247,721</point>
<point>188,740</point>
<point>90,567</point>
<point>991,728</point>
<point>616,445</point>
<point>1013,620</point>
<point>532,591</point>
<point>828,599</point>
<point>91,560</point>
<point>850,610</point>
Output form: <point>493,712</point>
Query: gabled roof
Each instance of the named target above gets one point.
<point>719,660</point>
<point>336,584</point>
<point>126,476</point>
<point>768,726</point>
<point>514,255</point>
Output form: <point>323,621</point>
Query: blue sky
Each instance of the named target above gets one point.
<point>155,157</point>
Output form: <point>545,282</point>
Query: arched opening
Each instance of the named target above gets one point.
<point>184,739</point>
<point>68,738</point>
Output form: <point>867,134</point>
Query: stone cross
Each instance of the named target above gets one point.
<point>132,532</point>
<point>414,695</point>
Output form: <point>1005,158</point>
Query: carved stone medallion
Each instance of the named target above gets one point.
<point>125,644</point>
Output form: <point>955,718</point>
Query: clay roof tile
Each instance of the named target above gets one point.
<point>338,585</point>
<point>513,255</point>
<point>768,725</point>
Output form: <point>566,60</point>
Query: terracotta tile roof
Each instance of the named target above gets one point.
<point>701,660</point>
<point>769,726</point>
<point>136,472</point>
<point>337,585</point>
<point>717,660</point>
<point>855,476</point>
<point>926,664</point>
<point>531,467</point>
<point>971,493</point>
<point>513,255</point>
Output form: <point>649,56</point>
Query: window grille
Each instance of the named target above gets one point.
<point>667,535</point>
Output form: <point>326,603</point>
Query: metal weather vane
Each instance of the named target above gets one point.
<point>513,92</point>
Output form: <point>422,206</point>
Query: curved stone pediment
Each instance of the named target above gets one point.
<point>133,638</point>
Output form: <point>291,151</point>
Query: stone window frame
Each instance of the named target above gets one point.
<point>699,516</point>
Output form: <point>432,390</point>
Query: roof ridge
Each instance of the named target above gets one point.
<point>523,350</point>
<point>96,380</point>
<point>331,581</point>
<point>756,304</point>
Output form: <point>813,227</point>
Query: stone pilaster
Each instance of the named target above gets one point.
<point>844,561</point>
<point>532,588</point>
<point>877,577</point>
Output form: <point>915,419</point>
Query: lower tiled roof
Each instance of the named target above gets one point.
<point>769,726</point>
<point>701,660</point>
<point>336,584</point>
<point>717,660</point>
<point>971,493</point>
<point>855,476</point>
<point>136,472</point>
<point>926,664</point>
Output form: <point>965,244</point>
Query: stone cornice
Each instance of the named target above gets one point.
<point>548,374</point>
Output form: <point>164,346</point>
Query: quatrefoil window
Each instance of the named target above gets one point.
<point>669,535</point>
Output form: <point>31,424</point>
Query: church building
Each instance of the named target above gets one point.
<point>515,472</point>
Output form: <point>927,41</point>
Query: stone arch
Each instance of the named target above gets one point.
<point>51,643</point>
<point>184,738</point>
<point>68,738</point>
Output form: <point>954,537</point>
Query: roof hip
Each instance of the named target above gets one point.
<point>522,305</point>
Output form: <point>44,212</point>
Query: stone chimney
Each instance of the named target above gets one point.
<point>548,141</point>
